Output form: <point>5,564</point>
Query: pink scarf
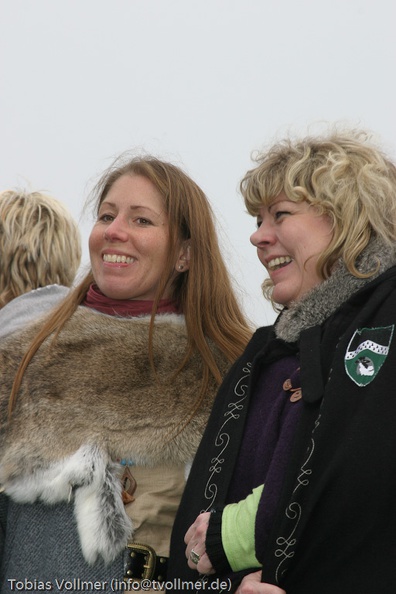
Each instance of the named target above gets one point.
<point>125,307</point>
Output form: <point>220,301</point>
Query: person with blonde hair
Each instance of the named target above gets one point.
<point>108,396</point>
<point>293,485</point>
<point>40,252</point>
<point>40,243</point>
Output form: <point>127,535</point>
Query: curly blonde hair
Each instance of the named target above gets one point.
<point>39,243</point>
<point>345,176</point>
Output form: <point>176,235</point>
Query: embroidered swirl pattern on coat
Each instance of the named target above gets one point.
<point>222,438</point>
<point>294,510</point>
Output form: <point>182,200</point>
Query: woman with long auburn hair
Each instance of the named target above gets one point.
<point>103,402</point>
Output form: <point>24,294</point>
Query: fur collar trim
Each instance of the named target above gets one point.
<point>327,297</point>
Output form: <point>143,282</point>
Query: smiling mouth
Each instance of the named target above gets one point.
<point>114,258</point>
<point>277,263</point>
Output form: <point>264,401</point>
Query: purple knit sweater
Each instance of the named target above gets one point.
<point>269,431</point>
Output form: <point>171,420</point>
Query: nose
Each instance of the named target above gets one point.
<point>117,230</point>
<point>264,235</point>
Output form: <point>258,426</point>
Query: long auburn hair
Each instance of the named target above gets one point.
<point>204,293</point>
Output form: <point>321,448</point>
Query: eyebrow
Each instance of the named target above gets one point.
<point>278,202</point>
<point>271,206</point>
<point>141,207</point>
<point>132,208</point>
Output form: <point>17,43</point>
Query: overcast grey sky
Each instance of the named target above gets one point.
<point>202,83</point>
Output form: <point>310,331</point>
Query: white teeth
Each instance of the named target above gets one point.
<point>117,259</point>
<point>278,262</point>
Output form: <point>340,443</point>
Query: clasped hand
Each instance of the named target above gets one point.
<point>252,584</point>
<point>195,539</point>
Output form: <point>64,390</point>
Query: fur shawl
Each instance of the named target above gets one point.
<point>88,399</point>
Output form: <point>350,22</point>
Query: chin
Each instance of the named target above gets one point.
<point>281,299</point>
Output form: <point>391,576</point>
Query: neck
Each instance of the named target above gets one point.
<point>95,299</point>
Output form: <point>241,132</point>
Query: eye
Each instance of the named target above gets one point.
<point>143,221</point>
<point>280,213</point>
<point>258,223</point>
<point>106,218</point>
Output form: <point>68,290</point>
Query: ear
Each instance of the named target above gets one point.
<point>183,261</point>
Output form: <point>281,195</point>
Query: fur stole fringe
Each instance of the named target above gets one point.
<point>90,398</point>
<point>327,297</point>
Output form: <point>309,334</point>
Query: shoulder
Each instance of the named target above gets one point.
<point>259,340</point>
<point>27,308</point>
<point>242,367</point>
<point>87,319</point>
<point>95,330</point>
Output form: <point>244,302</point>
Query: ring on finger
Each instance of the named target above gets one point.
<point>194,557</point>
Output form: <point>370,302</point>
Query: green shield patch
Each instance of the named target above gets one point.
<point>367,352</point>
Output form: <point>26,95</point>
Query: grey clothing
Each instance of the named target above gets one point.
<point>27,308</point>
<point>53,536</point>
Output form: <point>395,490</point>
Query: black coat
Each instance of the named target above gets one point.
<point>334,531</point>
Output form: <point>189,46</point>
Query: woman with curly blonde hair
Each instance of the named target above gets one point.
<point>295,473</point>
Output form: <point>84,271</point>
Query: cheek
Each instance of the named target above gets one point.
<point>160,247</point>
<point>260,256</point>
<point>94,240</point>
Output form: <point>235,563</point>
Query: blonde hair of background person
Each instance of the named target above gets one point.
<point>39,243</point>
